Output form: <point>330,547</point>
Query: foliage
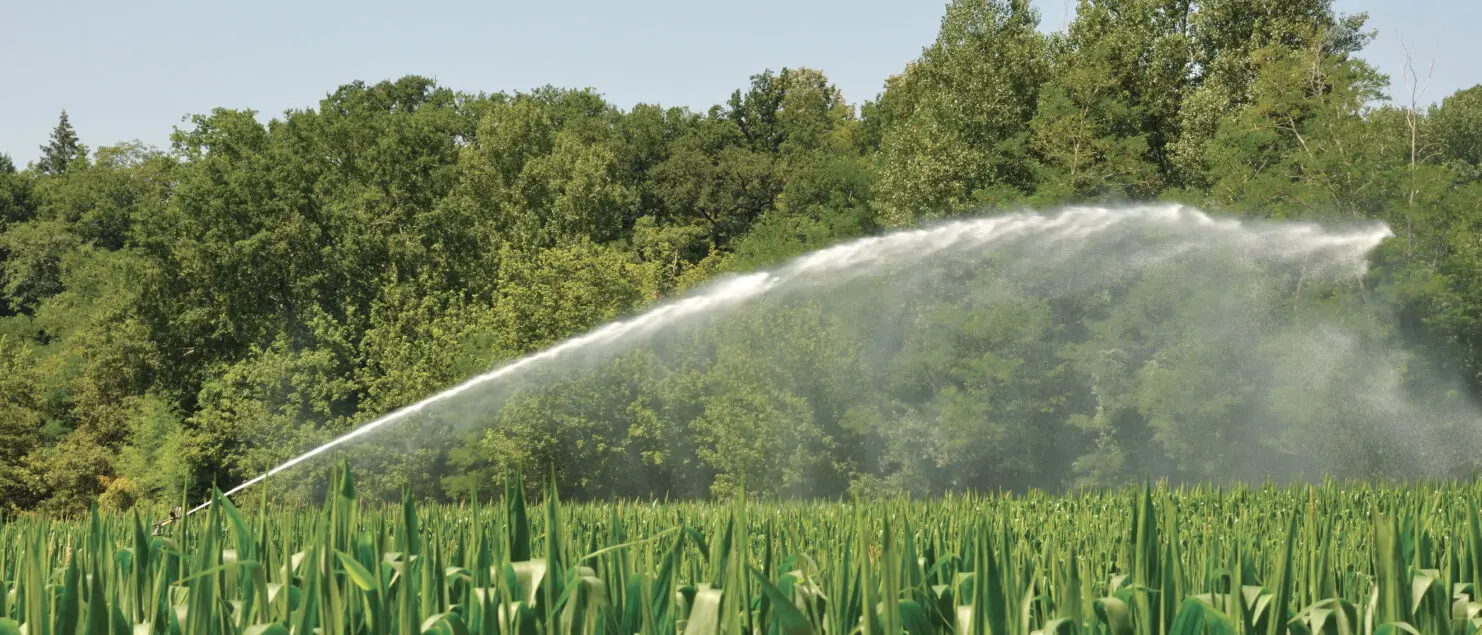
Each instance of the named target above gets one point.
<point>1336,558</point>
<point>61,150</point>
<point>175,318</point>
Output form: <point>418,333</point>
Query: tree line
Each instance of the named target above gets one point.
<point>172,318</point>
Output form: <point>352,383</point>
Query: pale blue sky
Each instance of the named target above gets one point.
<point>132,70</point>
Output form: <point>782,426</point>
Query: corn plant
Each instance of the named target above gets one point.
<point>1361,559</point>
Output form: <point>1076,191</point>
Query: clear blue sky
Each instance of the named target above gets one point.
<point>132,70</point>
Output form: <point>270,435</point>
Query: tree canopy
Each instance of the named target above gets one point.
<point>173,318</point>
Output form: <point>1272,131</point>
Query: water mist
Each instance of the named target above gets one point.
<point>1200,330</point>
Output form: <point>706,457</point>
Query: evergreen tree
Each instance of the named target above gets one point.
<point>61,150</point>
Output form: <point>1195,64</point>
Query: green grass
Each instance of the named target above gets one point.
<point>1273,560</point>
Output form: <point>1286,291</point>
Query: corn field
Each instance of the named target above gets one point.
<point>1362,559</point>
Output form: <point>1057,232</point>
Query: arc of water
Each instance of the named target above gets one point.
<point>734,291</point>
<point>1071,227</point>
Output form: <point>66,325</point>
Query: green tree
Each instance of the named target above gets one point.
<point>1299,148</point>
<point>32,268</point>
<point>15,194</point>
<point>21,422</point>
<point>17,205</point>
<point>1456,130</point>
<point>1226,35</point>
<point>61,150</point>
<point>958,134</point>
<point>713,180</point>
<point>199,314</point>
<point>152,467</point>
<point>271,406</point>
<point>100,200</point>
<point>548,295</point>
<point>1108,112</point>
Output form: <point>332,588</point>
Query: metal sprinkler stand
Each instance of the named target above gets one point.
<point>174,516</point>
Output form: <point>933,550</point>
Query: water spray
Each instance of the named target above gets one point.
<point>1055,237</point>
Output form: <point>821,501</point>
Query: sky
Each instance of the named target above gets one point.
<point>133,70</point>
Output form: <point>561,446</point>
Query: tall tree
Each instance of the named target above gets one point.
<point>1299,147</point>
<point>962,117</point>
<point>1109,110</point>
<point>1227,34</point>
<point>61,150</point>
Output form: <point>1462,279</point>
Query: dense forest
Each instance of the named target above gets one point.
<point>178,317</point>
